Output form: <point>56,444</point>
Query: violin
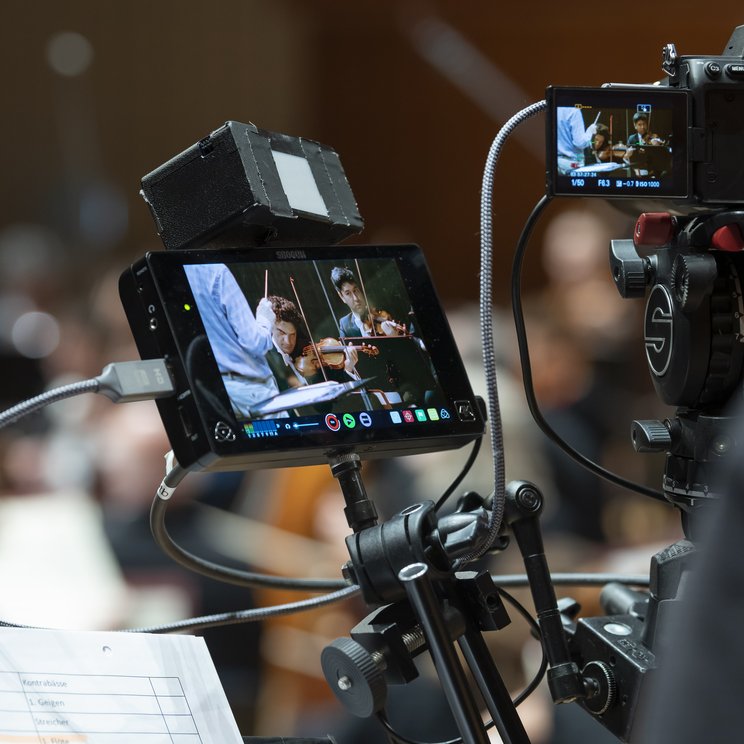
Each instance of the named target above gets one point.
<point>332,355</point>
<point>377,317</point>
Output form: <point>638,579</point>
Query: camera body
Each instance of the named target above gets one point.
<point>690,156</point>
<point>715,86</point>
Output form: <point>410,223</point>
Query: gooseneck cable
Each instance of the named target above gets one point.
<point>496,515</point>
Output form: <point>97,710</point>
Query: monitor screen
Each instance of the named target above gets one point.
<point>618,142</point>
<point>315,348</point>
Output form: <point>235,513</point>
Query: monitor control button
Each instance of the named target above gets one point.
<point>223,432</point>
<point>332,422</point>
<point>465,410</point>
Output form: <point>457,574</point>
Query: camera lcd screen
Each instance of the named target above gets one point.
<point>286,356</point>
<point>618,142</point>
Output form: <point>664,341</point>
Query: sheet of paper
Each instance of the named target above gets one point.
<point>79,687</point>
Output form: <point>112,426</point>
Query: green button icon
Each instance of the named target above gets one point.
<point>349,421</point>
<point>420,414</point>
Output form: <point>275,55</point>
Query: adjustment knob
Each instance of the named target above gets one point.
<point>650,435</point>
<point>654,230</point>
<point>693,279</point>
<point>354,676</point>
<point>602,687</point>
<point>728,238</point>
<point>629,270</point>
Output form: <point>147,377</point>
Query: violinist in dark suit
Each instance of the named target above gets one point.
<point>640,124</point>
<point>638,158</point>
<point>359,322</point>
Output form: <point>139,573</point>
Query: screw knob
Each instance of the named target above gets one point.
<point>650,435</point>
<point>354,677</point>
<point>629,270</point>
<point>603,684</point>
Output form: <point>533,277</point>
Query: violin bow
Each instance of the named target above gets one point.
<point>307,328</point>
<point>328,299</point>
<point>364,294</point>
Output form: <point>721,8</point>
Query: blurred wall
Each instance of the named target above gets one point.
<point>409,93</point>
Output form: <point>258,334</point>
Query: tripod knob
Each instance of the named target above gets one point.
<point>355,677</point>
<point>650,435</point>
<point>629,270</point>
<point>600,681</point>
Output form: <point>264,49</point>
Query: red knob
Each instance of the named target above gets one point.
<point>653,229</point>
<point>727,238</point>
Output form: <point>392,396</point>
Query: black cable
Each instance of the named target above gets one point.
<point>214,570</point>
<point>500,581</point>
<point>524,355</point>
<point>575,579</point>
<point>400,739</point>
<point>532,686</point>
<point>228,618</point>
<point>253,615</point>
<point>461,476</point>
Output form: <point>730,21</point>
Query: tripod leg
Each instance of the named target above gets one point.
<point>423,600</point>
<point>492,687</point>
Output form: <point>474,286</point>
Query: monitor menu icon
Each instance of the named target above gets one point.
<point>332,422</point>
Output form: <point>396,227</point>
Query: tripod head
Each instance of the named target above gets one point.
<point>693,335</point>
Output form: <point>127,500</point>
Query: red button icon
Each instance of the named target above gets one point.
<point>332,422</point>
<point>408,416</point>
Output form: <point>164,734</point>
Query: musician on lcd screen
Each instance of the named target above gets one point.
<point>636,155</point>
<point>573,136</point>
<point>602,149</point>
<point>362,320</point>
<point>296,364</point>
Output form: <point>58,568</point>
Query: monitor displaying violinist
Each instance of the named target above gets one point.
<point>341,322</point>
<point>638,145</point>
<point>337,389</point>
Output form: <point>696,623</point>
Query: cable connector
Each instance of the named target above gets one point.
<point>125,382</point>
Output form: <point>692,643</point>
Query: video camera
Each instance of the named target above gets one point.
<point>686,156</point>
<point>676,147</point>
<point>689,155</point>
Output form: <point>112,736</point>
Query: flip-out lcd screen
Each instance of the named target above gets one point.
<point>618,142</point>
